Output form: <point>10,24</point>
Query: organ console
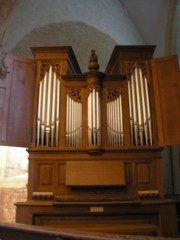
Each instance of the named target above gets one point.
<point>95,154</point>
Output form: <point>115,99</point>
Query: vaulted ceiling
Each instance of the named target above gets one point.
<point>156,21</point>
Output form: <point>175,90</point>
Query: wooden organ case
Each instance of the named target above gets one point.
<point>95,159</point>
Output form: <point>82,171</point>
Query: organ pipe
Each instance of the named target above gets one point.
<point>130,111</point>
<point>94,117</point>
<point>121,120</point>
<point>148,112</point>
<point>139,108</point>
<point>73,122</point>
<point>115,121</point>
<point>48,110</point>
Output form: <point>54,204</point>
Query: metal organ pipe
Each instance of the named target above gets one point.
<point>48,110</point>
<point>98,117</point>
<point>70,122</point>
<point>73,122</point>
<point>52,125</point>
<point>121,120</point>
<point>148,112</point>
<point>139,109</point>
<point>39,113</point>
<point>139,106</point>
<point>115,122</point>
<point>57,111</point>
<point>113,117</point>
<point>144,107</point>
<point>67,120</point>
<point>48,104</point>
<point>94,118</point>
<point>89,119</point>
<point>134,106</point>
<point>118,120</point>
<point>130,111</point>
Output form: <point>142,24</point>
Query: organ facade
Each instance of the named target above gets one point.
<point>95,149</point>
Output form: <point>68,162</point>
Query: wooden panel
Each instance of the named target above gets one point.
<point>117,217</point>
<point>5,86</point>
<point>45,174</point>
<point>122,53</point>
<point>168,212</point>
<point>104,224</point>
<point>3,110</point>
<point>17,102</point>
<point>61,174</point>
<point>64,53</point>
<point>166,81</point>
<point>95,173</point>
<point>128,173</point>
<point>143,173</point>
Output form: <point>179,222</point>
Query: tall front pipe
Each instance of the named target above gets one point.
<point>39,113</point>
<point>144,106</point>
<point>48,102</point>
<point>130,111</point>
<point>67,120</point>
<point>148,111</point>
<point>134,105</point>
<point>43,110</point>
<point>139,106</point>
<point>53,109</point>
<point>49,92</point>
<point>89,117</point>
<point>121,120</point>
<point>118,121</point>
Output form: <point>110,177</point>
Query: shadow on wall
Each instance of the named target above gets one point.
<point>80,36</point>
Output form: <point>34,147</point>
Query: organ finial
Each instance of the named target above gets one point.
<point>93,61</point>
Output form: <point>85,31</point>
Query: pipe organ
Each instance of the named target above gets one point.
<point>95,161</point>
<point>48,117</point>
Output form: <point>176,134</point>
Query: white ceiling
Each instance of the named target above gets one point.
<point>152,19</point>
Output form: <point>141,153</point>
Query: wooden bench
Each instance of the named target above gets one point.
<point>17,231</point>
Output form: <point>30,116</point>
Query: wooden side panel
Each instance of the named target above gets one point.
<point>16,103</point>
<point>4,100</point>
<point>166,83</point>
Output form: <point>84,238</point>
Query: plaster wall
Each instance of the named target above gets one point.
<point>84,25</point>
<point>104,15</point>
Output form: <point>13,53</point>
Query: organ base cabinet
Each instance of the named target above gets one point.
<point>95,139</point>
<point>113,193</point>
<point>121,217</point>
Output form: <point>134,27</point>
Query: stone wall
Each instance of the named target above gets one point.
<point>10,193</point>
<point>13,180</point>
